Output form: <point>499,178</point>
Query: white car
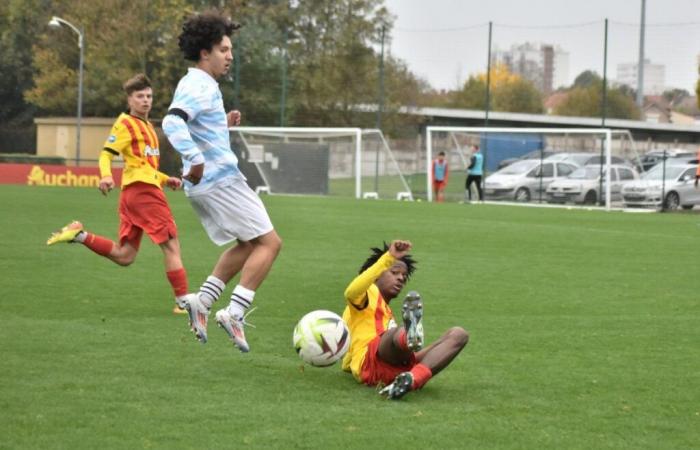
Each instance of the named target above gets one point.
<point>584,186</point>
<point>676,188</point>
<point>525,180</point>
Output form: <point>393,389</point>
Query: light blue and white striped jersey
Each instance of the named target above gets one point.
<point>205,135</point>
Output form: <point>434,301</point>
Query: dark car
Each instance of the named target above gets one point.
<point>535,154</point>
<point>653,157</point>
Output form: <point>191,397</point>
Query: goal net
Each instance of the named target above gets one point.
<point>319,161</point>
<point>531,164</point>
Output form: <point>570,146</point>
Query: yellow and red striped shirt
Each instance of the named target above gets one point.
<point>367,315</point>
<point>136,141</point>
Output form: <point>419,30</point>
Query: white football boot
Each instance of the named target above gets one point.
<point>412,313</point>
<point>234,328</point>
<point>199,315</point>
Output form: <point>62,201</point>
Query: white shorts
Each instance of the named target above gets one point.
<point>231,211</point>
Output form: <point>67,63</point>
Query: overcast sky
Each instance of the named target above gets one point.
<point>445,41</point>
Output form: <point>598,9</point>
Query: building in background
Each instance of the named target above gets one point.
<point>546,66</point>
<point>654,77</point>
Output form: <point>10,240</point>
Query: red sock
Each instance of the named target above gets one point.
<point>98,244</point>
<point>402,340</point>
<point>178,280</point>
<point>421,375</point>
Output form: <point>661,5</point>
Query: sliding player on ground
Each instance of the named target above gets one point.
<point>380,352</point>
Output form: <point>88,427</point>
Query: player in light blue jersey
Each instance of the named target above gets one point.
<point>197,126</point>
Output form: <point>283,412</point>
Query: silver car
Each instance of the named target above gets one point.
<point>584,186</point>
<point>523,181</point>
<point>578,158</point>
<point>677,188</point>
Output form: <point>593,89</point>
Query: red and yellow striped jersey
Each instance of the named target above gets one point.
<point>136,141</point>
<point>367,315</point>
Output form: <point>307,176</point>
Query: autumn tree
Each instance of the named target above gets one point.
<point>322,55</point>
<point>113,53</point>
<point>509,92</point>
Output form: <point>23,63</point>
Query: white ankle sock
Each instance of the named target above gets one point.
<point>211,290</point>
<point>241,299</point>
<point>80,237</point>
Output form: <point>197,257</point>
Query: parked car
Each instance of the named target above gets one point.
<point>653,157</point>
<point>525,180</point>
<point>583,185</point>
<point>535,154</point>
<point>597,159</point>
<point>584,159</point>
<point>677,188</point>
<point>578,158</point>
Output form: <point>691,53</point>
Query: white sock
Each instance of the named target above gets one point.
<point>180,300</point>
<point>241,299</point>
<point>211,290</point>
<point>80,237</point>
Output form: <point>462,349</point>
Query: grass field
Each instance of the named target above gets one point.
<point>584,326</point>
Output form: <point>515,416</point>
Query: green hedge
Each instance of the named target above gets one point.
<point>20,158</point>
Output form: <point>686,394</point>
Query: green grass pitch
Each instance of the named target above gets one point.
<point>585,331</point>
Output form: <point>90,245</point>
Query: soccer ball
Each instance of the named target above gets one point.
<point>321,338</point>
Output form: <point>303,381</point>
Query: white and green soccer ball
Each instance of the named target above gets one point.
<point>321,338</point>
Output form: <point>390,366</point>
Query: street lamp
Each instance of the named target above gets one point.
<point>56,22</point>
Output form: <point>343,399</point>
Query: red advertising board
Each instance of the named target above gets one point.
<point>51,175</point>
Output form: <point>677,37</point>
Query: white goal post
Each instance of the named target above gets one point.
<point>319,161</point>
<point>477,134</point>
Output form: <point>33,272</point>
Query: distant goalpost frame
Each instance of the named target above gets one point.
<point>320,160</point>
<point>302,130</point>
<point>606,132</point>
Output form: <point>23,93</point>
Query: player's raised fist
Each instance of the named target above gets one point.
<point>399,248</point>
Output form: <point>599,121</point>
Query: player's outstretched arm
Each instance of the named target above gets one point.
<point>355,293</point>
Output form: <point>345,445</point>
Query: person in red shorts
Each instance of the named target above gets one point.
<point>440,172</point>
<point>142,203</point>
<point>382,353</point>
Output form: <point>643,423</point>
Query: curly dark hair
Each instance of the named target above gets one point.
<point>203,31</point>
<point>378,252</point>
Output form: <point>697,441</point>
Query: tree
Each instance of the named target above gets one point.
<point>520,95</point>
<point>584,99</point>
<point>329,49</point>
<point>333,64</point>
<point>20,21</point>
<point>587,102</point>
<point>509,92</point>
<point>113,53</point>
<point>587,78</point>
<point>472,95</point>
<point>675,95</point>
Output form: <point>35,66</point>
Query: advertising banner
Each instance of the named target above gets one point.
<point>52,175</point>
